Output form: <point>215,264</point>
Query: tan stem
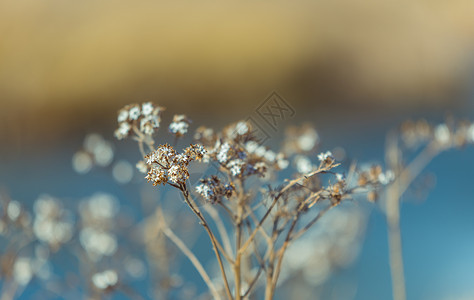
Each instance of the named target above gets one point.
<point>394,193</point>
<point>211,236</point>
<point>189,254</point>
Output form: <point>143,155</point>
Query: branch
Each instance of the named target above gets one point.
<point>189,254</point>
<point>211,236</point>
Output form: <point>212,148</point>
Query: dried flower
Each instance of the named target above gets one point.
<point>325,156</point>
<point>442,134</point>
<point>180,125</point>
<point>123,131</point>
<point>235,166</point>
<point>142,167</point>
<point>165,164</point>
<point>144,119</point>
<point>105,280</point>
<point>212,189</point>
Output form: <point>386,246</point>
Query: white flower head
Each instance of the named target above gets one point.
<point>180,125</point>
<point>251,146</point>
<point>123,131</point>
<point>442,134</point>
<point>134,112</point>
<point>222,155</point>
<point>147,108</point>
<point>122,115</point>
<point>325,155</point>
<point>470,134</point>
<point>242,128</point>
<point>387,177</point>
<point>105,279</point>
<point>235,166</point>
<point>13,210</point>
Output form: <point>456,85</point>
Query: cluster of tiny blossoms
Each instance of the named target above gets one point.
<point>238,152</point>
<point>212,189</point>
<point>144,119</point>
<point>165,164</point>
<point>180,125</point>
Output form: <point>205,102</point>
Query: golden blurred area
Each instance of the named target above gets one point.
<point>64,63</point>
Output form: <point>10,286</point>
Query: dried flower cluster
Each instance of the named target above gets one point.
<point>237,151</point>
<point>179,126</point>
<point>165,164</point>
<point>212,189</point>
<point>239,156</point>
<point>142,119</point>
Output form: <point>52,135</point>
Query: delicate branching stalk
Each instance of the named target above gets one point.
<point>263,230</point>
<point>220,227</point>
<point>211,236</point>
<point>189,254</point>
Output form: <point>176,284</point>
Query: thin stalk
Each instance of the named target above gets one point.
<point>211,236</point>
<point>189,254</point>
<point>394,193</point>
<point>220,227</point>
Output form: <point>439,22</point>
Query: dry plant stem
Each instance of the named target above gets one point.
<point>226,255</point>
<point>189,254</point>
<point>277,197</point>
<point>311,223</point>
<point>394,193</point>
<point>261,263</point>
<point>290,238</point>
<point>211,236</point>
<point>271,262</point>
<point>238,241</point>
<point>220,227</point>
<point>141,139</point>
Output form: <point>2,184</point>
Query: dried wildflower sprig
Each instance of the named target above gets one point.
<point>238,152</point>
<point>180,125</point>
<point>141,122</point>
<point>144,119</point>
<point>165,165</point>
<point>265,225</point>
<point>212,189</point>
<point>240,157</point>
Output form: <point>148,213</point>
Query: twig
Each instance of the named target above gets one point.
<point>394,192</point>
<point>211,236</point>
<point>189,254</point>
<point>220,227</point>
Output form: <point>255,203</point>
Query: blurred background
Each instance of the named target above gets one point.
<point>354,69</point>
<point>65,66</point>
